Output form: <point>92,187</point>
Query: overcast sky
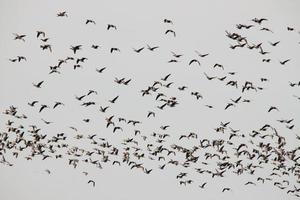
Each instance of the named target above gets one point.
<point>200,25</point>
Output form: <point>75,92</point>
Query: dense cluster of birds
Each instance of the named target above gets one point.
<point>232,152</point>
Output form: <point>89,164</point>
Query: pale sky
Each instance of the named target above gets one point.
<point>200,25</point>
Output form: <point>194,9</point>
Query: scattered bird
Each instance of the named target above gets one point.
<point>38,85</point>
<point>171,32</point>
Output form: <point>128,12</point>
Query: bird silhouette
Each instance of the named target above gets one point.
<point>38,85</point>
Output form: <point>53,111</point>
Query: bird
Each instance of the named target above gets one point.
<point>80,97</point>
<point>226,189</point>
<point>76,48</point>
<point>19,37</point>
<point>274,44</point>
<point>117,128</point>
<point>152,48</point>
<point>114,99</point>
<point>43,107</point>
<point>94,46</point>
<point>284,62</point>
<point>46,46</point>
<point>208,77</point>
<point>171,32</point>
<point>194,61</point>
<point>103,109</point>
<point>92,182</point>
<point>38,33</point>
<point>114,49</point>
<point>259,20</point>
<point>229,105</point>
<point>166,77</point>
<point>100,70</point>
<point>33,103</point>
<point>90,21</point>
<point>111,26</point>
<point>168,21</point>
<point>138,50</point>
<point>202,186</point>
<point>150,113</point>
<point>272,108</point>
<point>201,55</point>
<point>91,92</point>
<point>62,14</point>
<point>58,104</point>
<point>38,85</point>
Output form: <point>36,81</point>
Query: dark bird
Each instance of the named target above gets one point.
<point>80,98</point>
<point>75,48</point>
<point>20,58</point>
<point>81,60</point>
<point>38,85</point>
<point>202,186</point>
<point>92,92</point>
<point>95,46</point>
<point>152,48</point>
<point>266,60</point>
<point>114,49</point>
<point>218,65</point>
<point>226,189</point>
<point>93,182</point>
<point>194,60</point>
<point>274,44</point>
<point>90,21</point>
<point>117,128</point>
<point>58,104</point>
<point>151,113</point>
<point>43,107</point>
<point>171,31</point>
<point>19,37</point>
<point>166,77</point>
<point>167,21</point>
<point>182,88</point>
<point>100,70</point>
<point>46,46</point>
<point>237,100</point>
<point>111,26</point>
<point>103,109</point>
<point>259,20</point>
<point>138,50</point>
<point>176,55</point>
<point>126,82</point>
<point>284,62</point>
<point>62,14</point>
<point>45,39</point>
<point>208,77</point>
<point>229,105</point>
<point>32,103</point>
<point>114,99</point>
<point>202,55</point>
<point>266,29</point>
<point>38,33</point>
<point>272,108</point>
<point>46,122</point>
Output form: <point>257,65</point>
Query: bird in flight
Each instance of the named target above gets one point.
<point>111,26</point>
<point>88,21</point>
<point>38,85</point>
<point>75,48</point>
<point>19,37</point>
<point>92,182</point>
<point>62,14</point>
<point>171,32</point>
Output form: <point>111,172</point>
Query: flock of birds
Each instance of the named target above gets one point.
<point>232,152</point>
